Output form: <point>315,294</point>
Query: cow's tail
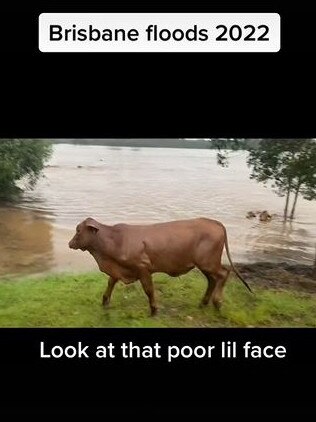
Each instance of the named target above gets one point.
<point>232,265</point>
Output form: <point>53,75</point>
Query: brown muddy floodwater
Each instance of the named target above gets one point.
<point>145,185</point>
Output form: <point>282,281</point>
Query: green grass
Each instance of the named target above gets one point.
<point>75,301</point>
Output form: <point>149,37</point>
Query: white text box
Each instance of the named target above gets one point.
<point>159,32</point>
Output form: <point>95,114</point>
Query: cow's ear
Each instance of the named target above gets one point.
<point>92,224</point>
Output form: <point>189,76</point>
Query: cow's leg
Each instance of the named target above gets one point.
<point>107,294</point>
<point>148,286</point>
<point>209,289</point>
<point>220,278</point>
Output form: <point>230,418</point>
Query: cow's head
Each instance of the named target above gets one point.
<point>85,234</point>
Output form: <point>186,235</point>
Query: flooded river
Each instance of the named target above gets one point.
<point>145,185</point>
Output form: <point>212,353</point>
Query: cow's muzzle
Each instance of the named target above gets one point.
<point>72,245</point>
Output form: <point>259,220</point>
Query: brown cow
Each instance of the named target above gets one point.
<point>264,216</point>
<point>134,252</point>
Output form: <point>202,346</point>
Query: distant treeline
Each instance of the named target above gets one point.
<point>153,143</point>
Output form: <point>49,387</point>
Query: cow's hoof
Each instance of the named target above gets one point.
<point>105,301</point>
<point>217,305</point>
<point>203,303</point>
<point>153,311</point>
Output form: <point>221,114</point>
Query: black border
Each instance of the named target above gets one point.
<point>169,96</point>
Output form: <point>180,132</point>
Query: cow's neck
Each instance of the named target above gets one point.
<point>100,248</point>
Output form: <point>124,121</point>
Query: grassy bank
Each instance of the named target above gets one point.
<point>75,301</point>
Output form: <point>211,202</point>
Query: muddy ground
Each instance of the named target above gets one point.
<point>280,276</point>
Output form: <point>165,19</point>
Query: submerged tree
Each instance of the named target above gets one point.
<point>21,160</point>
<point>289,165</point>
<point>224,145</point>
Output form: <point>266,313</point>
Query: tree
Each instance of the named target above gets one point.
<point>290,165</point>
<point>21,160</point>
<point>223,145</point>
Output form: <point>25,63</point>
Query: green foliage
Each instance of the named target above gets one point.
<point>75,301</point>
<point>223,147</point>
<point>21,160</point>
<point>288,164</point>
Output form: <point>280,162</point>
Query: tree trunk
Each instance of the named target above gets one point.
<point>286,204</point>
<point>294,202</point>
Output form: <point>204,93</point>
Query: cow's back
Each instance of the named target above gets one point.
<point>174,247</point>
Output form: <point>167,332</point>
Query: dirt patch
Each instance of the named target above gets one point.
<point>280,276</point>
